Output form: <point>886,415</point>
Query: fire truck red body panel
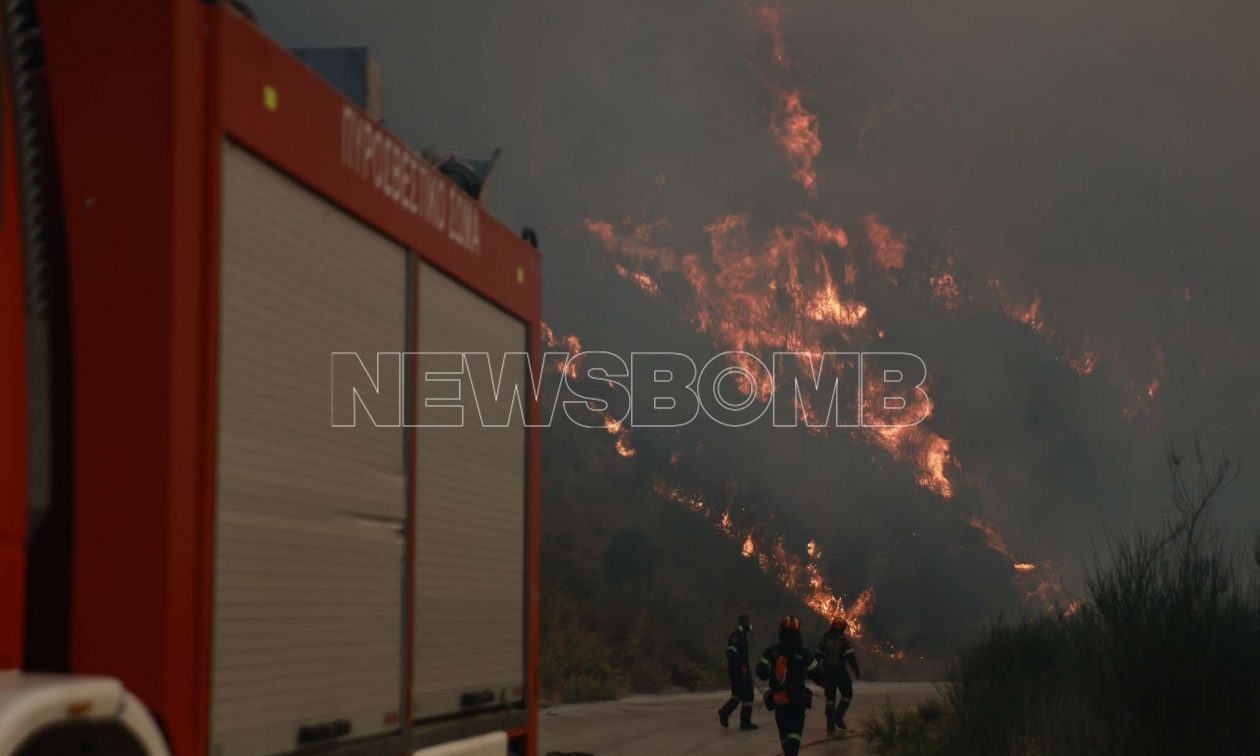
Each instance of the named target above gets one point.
<point>143,96</point>
<point>12,397</point>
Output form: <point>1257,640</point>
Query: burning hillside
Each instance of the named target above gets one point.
<point>797,287</point>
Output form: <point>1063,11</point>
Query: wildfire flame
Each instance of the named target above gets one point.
<point>993,538</point>
<point>572,344</point>
<point>1046,590</point>
<point>801,575</point>
<point>945,287</point>
<point>889,250</point>
<point>1085,362</point>
<point>640,279</point>
<point>622,444</point>
<point>795,128</point>
<point>781,296</point>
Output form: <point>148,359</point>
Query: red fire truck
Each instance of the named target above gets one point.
<point>193,560</point>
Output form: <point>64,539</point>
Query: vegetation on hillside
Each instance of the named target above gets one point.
<point>1161,656</point>
<point>639,594</point>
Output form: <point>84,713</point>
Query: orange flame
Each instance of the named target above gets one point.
<point>781,296</point>
<point>889,250</point>
<point>624,448</point>
<point>1085,362</point>
<point>640,279</point>
<point>925,449</point>
<point>801,575</point>
<point>1045,591</point>
<point>795,128</point>
<point>945,287</point>
<point>992,537</point>
<point>571,344</point>
<point>622,444</point>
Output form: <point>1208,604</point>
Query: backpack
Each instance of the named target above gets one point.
<point>833,653</point>
<point>787,682</point>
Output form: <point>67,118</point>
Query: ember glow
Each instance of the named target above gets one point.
<point>1085,362</point>
<point>769,21</point>
<point>945,287</point>
<point>889,249</point>
<point>1028,313</point>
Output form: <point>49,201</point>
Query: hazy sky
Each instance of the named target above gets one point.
<point>1096,158</point>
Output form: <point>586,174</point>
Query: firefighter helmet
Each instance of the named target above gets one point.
<point>839,623</point>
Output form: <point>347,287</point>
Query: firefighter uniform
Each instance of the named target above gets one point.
<point>835,655</point>
<point>741,680</point>
<point>786,666</point>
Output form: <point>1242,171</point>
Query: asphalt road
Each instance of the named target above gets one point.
<point>686,723</point>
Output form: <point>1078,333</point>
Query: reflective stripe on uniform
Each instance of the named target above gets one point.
<point>811,666</point>
<point>848,652</point>
<point>793,736</point>
<point>845,700</point>
<point>732,649</point>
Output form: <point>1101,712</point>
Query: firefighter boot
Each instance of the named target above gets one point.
<point>840,710</point>
<point>724,713</point>
<point>791,745</point>
<point>745,718</point>
<point>830,712</point>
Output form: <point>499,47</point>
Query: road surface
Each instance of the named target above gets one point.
<point>686,723</point>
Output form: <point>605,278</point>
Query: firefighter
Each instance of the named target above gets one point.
<point>835,655</point>
<point>786,666</point>
<point>741,677</point>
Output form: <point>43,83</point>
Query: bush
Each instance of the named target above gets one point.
<point>1160,658</point>
<point>906,733</point>
<point>575,665</point>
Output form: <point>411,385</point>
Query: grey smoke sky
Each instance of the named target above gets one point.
<point>1099,156</point>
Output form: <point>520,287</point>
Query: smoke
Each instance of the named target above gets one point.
<point>1052,203</point>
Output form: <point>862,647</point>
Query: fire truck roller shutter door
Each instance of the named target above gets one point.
<point>469,623</point>
<point>309,557</point>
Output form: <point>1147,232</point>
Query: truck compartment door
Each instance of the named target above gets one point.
<point>309,556</point>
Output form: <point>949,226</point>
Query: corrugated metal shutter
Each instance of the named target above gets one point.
<point>310,518</point>
<point>470,522</point>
